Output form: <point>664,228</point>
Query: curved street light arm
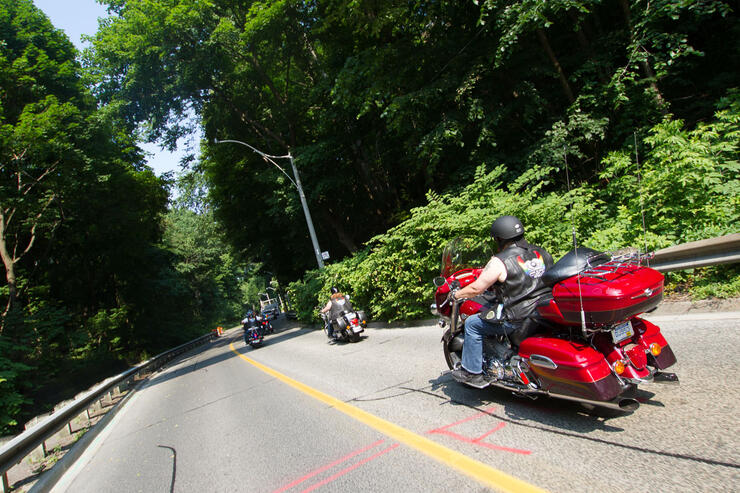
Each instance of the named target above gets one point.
<point>266,157</point>
<point>297,185</point>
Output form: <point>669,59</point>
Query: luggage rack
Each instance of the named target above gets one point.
<point>619,259</point>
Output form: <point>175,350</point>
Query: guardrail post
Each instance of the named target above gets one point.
<point>6,486</point>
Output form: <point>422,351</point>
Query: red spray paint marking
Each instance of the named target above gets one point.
<point>350,468</point>
<point>478,440</point>
<point>328,466</point>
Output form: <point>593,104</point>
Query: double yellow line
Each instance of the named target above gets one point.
<point>487,475</point>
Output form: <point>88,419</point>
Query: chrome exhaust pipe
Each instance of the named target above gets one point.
<point>624,404</point>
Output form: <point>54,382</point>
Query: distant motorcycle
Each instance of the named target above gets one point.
<point>347,326</point>
<point>253,334</point>
<point>265,325</point>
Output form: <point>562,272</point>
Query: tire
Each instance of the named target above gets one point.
<point>453,357</point>
<point>353,337</point>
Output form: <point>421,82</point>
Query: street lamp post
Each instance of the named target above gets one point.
<point>297,184</point>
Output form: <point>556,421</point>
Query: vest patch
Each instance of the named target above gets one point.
<point>534,268</point>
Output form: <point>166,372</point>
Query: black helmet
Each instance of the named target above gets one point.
<point>334,290</point>
<point>506,228</point>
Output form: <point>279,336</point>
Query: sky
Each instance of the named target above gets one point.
<point>78,17</point>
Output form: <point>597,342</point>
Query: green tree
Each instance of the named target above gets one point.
<point>379,102</point>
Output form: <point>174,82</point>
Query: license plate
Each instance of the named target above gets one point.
<point>357,328</point>
<point>622,331</point>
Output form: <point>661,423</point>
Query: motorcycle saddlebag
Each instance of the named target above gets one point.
<point>569,368</point>
<point>609,296</point>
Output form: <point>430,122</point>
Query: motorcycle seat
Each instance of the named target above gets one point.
<point>572,263</point>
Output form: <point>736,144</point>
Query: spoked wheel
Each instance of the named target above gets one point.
<point>452,347</point>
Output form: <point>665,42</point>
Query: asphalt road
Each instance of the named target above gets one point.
<point>300,414</point>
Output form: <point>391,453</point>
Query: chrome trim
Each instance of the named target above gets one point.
<point>645,294</point>
<point>433,308</point>
<point>637,381</point>
<point>542,361</point>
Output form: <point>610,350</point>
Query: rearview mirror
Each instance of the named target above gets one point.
<point>439,281</point>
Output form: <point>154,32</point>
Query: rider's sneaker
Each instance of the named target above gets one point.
<point>476,380</point>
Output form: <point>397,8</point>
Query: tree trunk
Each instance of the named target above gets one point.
<point>586,46</point>
<point>344,238</point>
<point>647,70</point>
<point>561,74</point>
<point>9,264</point>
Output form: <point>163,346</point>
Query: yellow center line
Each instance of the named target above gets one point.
<point>485,474</point>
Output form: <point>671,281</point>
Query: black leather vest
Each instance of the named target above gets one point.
<point>338,307</point>
<point>523,286</point>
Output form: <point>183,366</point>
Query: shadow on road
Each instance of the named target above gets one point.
<point>521,410</point>
<point>551,415</point>
<point>194,359</point>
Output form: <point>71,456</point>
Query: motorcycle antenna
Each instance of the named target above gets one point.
<point>575,243</point>
<point>642,204</point>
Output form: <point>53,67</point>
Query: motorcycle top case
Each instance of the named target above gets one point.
<point>609,295</point>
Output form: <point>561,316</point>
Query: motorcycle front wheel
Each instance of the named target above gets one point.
<point>452,347</point>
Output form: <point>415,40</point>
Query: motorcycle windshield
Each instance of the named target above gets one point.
<point>464,253</point>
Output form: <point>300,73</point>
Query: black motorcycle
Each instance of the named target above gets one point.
<point>347,326</point>
<point>253,334</point>
<point>265,325</point>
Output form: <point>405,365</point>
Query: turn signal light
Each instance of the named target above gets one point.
<point>655,349</point>
<point>618,367</point>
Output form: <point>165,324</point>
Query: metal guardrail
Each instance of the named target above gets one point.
<point>703,253</point>
<point>22,445</point>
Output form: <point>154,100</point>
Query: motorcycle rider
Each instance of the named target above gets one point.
<point>336,305</point>
<point>514,275</point>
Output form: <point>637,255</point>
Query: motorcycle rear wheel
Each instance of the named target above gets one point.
<point>353,337</point>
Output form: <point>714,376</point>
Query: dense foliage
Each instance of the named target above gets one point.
<point>382,101</point>
<point>91,284</point>
<point>686,185</point>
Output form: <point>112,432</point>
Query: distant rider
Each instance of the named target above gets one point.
<point>514,274</point>
<point>334,308</point>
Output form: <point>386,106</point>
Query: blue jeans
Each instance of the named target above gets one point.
<point>475,329</point>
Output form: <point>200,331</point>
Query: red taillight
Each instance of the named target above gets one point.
<point>636,355</point>
<point>354,322</point>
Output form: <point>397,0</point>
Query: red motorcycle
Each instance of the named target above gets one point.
<point>585,342</point>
